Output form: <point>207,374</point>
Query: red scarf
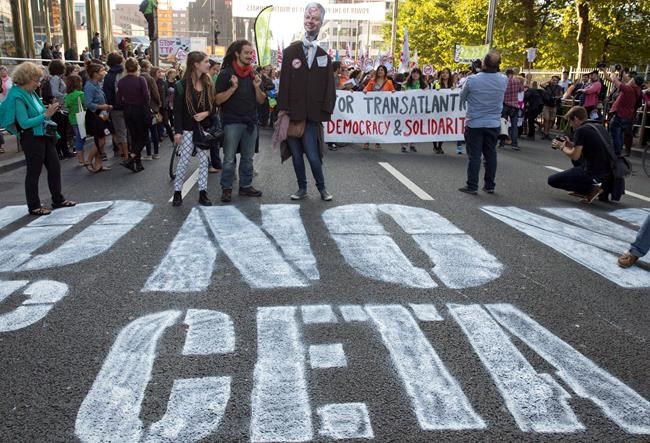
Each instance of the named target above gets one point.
<point>243,71</point>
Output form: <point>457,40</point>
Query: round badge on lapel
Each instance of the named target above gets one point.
<point>296,63</point>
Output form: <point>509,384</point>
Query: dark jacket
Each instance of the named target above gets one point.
<point>109,85</point>
<point>306,93</point>
<point>71,54</point>
<point>155,101</point>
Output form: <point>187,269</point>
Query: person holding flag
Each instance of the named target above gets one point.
<point>307,97</point>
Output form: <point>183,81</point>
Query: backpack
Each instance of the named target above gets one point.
<point>547,98</point>
<point>620,167</point>
<point>143,5</point>
<point>46,92</point>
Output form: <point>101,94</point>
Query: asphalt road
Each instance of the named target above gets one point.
<point>105,361</point>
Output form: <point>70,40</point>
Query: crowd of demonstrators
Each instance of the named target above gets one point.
<point>483,93</point>
<point>5,85</point>
<point>98,124</point>
<point>239,94</point>
<point>133,95</point>
<point>511,107</point>
<point>194,103</point>
<point>380,83</point>
<point>23,113</point>
<point>307,95</point>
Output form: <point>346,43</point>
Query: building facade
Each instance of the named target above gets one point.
<point>129,19</point>
<point>210,17</point>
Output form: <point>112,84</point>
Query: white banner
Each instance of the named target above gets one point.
<point>399,117</point>
<point>292,9</point>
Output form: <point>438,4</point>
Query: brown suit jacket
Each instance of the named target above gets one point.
<point>307,94</point>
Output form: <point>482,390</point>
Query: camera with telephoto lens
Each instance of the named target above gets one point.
<point>49,128</point>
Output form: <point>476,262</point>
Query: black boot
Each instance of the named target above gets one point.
<point>129,164</point>
<point>203,199</point>
<point>138,165</point>
<point>178,198</point>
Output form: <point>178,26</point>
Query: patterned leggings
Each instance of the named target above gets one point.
<point>186,149</point>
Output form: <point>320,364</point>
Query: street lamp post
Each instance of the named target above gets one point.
<point>4,37</point>
<point>492,7</point>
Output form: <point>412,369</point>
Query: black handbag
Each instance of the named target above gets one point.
<point>208,137</point>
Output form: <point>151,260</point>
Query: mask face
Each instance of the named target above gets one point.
<point>312,21</point>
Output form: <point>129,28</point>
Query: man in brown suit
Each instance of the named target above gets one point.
<point>308,94</point>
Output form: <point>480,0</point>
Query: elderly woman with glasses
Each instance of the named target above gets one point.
<point>23,114</point>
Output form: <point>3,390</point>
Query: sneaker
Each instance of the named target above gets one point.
<point>412,148</point>
<point>178,198</point>
<point>459,150</point>
<point>324,195</point>
<point>626,260</point>
<point>404,149</point>
<point>226,195</point>
<point>489,191</point>
<point>466,190</point>
<point>592,195</point>
<point>299,194</point>
<point>212,170</point>
<point>104,158</point>
<point>156,156</point>
<point>516,148</point>
<point>332,146</point>
<point>146,157</point>
<point>250,192</point>
<point>203,199</point>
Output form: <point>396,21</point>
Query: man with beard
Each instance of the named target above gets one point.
<point>307,94</point>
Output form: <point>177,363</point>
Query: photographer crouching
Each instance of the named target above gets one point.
<point>588,151</point>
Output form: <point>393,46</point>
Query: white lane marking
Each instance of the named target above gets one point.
<point>341,421</point>
<point>415,189</point>
<point>594,251</point>
<point>10,214</point>
<point>327,356</point>
<point>209,332</point>
<point>71,216</point>
<point>368,248</point>
<point>634,216</point>
<point>41,298</point>
<point>280,410</point>
<point>96,238</point>
<point>188,263</point>
<point>110,411</point>
<point>437,398</point>
<point>250,250</point>
<point>627,191</point>
<point>284,224</point>
<point>188,184</point>
<point>621,404</point>
<point>17,247</point>
<point>589,221</point>
<point>9,287</point>
<point>425,312</point>
<point>352,313</point>
<point>459,261</point>
<point>195,410</point>
<point>312,314</point>
<point>536,401</point>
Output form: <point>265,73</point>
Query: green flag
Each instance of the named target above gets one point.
<point>263,36</point>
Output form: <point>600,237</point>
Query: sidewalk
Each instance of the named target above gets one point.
<point>12,158</point>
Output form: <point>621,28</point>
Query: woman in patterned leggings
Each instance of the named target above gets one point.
<point>194,102</point>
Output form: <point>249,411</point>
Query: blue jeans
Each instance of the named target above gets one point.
<point>155,138</point>
<point>617,127</point>
<point>641,245</point>
<point>237,135</point>
<point>78,141</point>
<point>574,180</point>
<point>512,114</point>
<point>307,145</point>
<point>481,141</point>
<point>215,159</point>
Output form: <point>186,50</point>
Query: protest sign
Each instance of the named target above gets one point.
<point>401,117</point>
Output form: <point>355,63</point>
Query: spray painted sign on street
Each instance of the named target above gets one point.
<point>282,409</point>
<point>404,117</point>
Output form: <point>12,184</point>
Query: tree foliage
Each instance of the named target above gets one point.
<point>617,32</point>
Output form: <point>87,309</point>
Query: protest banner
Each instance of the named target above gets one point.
<point>401,117</point>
